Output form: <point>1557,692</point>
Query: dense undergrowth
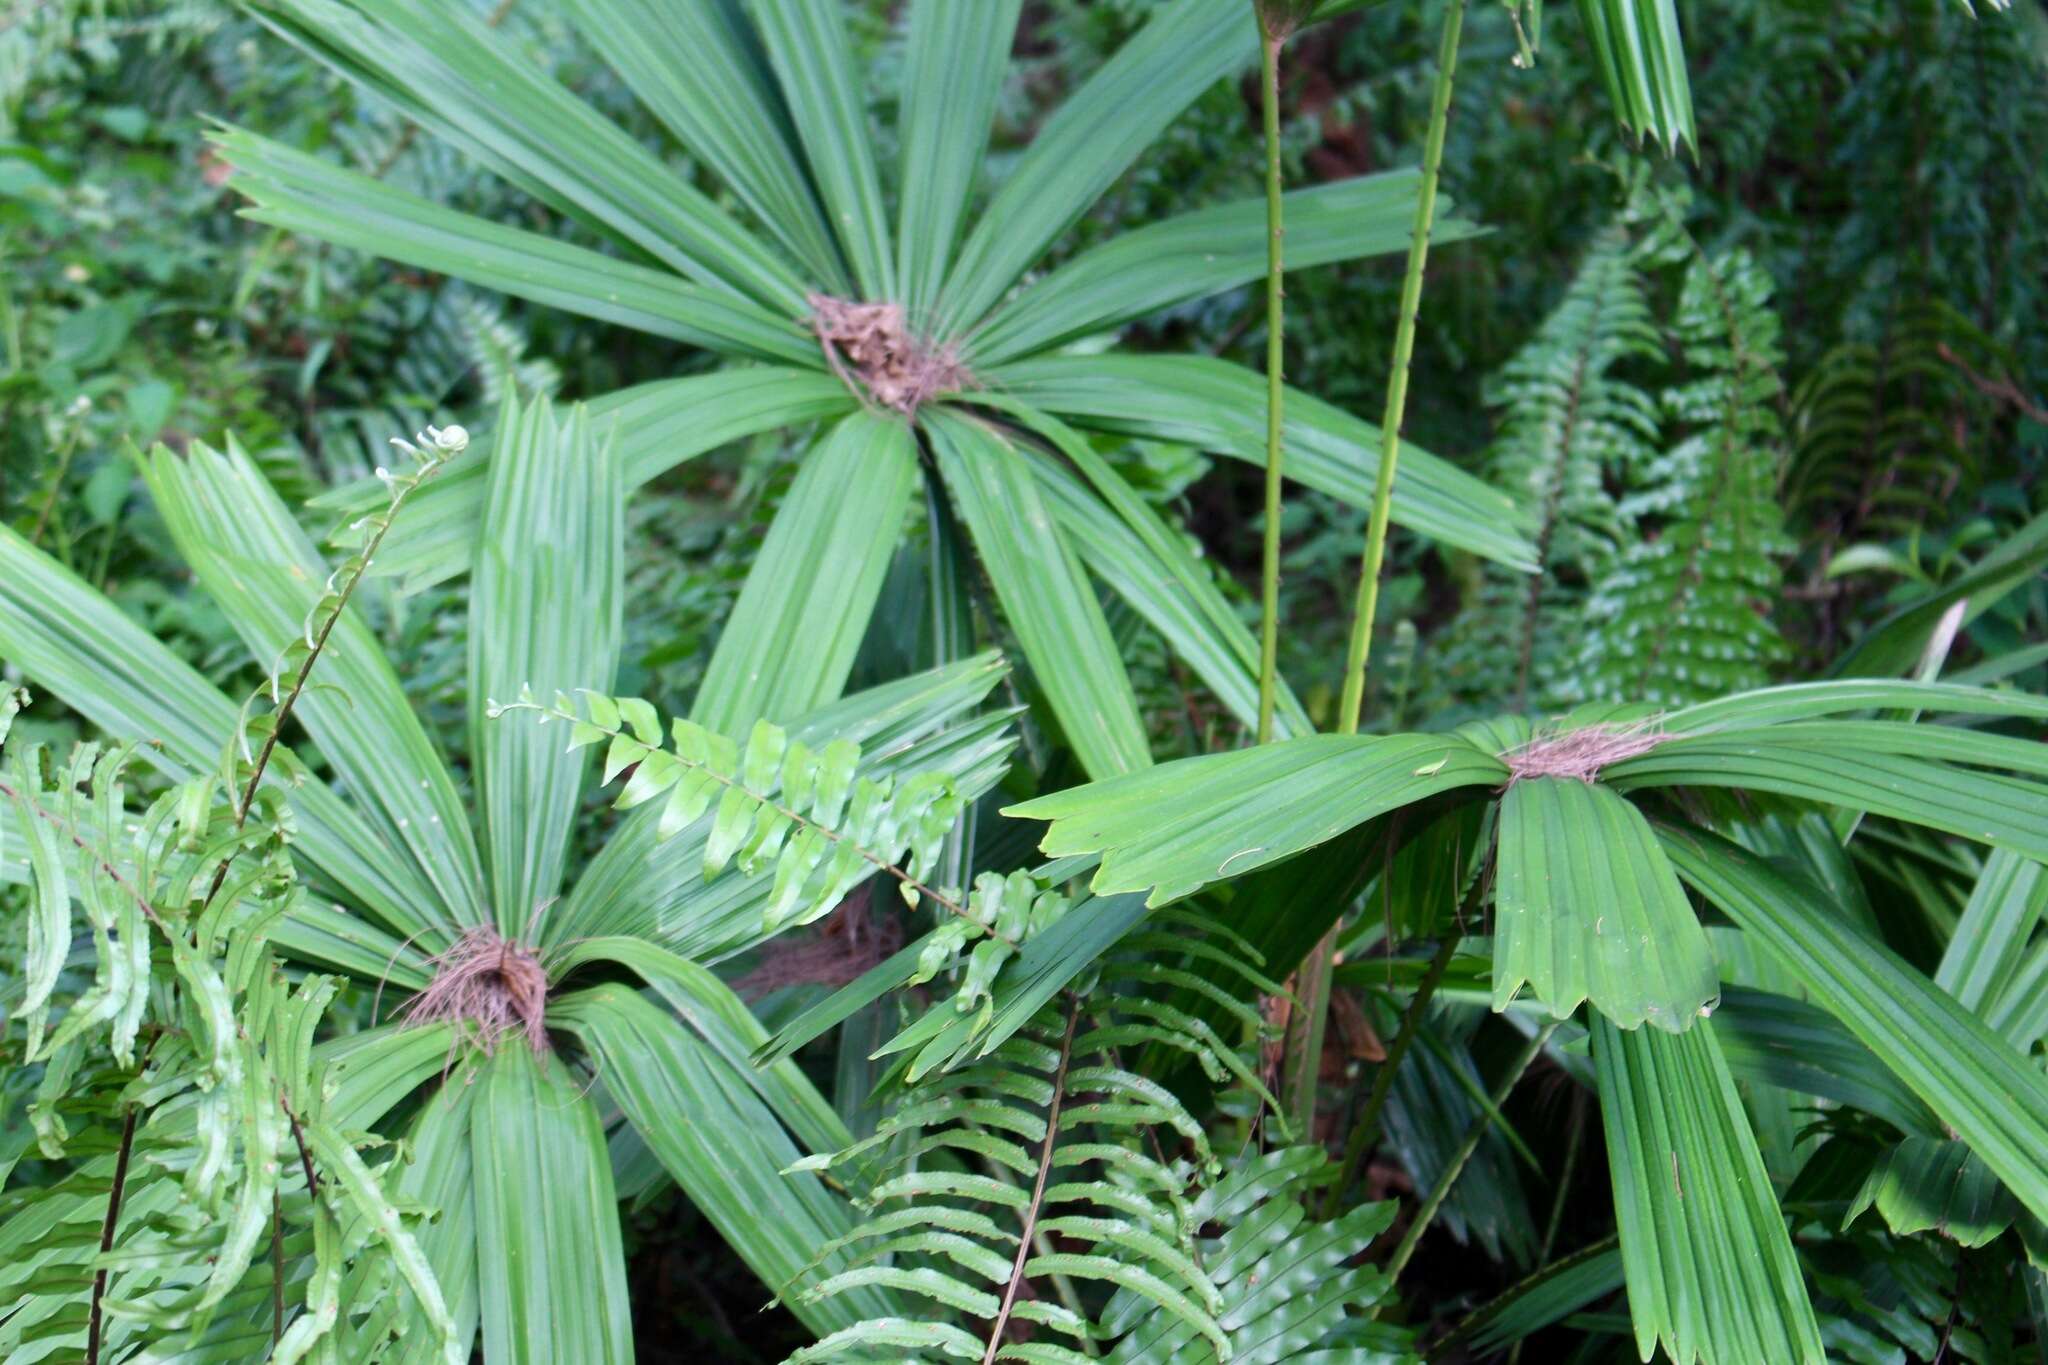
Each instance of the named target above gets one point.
<point>746,836</point>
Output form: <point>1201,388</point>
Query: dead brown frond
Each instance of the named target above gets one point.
<point>489,985</point>
<point>871,347</point>
<point>1582,753</point>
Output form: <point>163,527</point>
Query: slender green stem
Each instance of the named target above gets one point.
<point>1481,1121</point>
<point>1397,378</point>
<point>1366,1130</point>
<point>1313,977</point>
<point>49,508</point>
<point>1273,40</point>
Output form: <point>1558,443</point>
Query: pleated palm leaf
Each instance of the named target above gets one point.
<point>1598,827</point>
<point>908,328</point>
<point>468,913</point>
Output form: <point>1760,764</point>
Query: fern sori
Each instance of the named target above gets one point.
<point>1052,1202</point>
<point>1680,615</point>
<point>1571,429</point>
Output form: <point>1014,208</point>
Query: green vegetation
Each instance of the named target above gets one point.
<point>1039,680</point>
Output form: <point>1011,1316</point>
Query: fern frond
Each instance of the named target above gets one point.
<point>210,1063</point>
<point>1571,429</point>
<point>498,351</point>
<point>811,816</point>
<point>1878,427</point>
<point>1047,1199</point>
<point>1681,614</point>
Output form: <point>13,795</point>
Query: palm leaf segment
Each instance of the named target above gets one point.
<point>409,892</point>
<point>910,332</point>
<point>1599,837</point>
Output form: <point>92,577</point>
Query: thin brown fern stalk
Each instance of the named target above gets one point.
<point>94,1320</point>
<point>1027,1237</point>
<point>1312,980</point>
<point>1274,29</point>
<point>439,448</point>
<point>1574,1140</point>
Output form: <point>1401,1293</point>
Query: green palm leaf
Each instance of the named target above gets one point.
<point>1992,964</point>
<point>1587,907</point>
<point>1811,701</point>
<point>653,428</point>
<point>1088,143</point>
<point>1134,553</point>
<point>699,68</point>
<point>254,561</point>
<point>725,1024</point>
<point>1933,1184</point>
<point>806,44</point>
<point>1976,1082</point>
<point>73,641</point>
<point>954,72</point>
<point>1711,1273</point>
<point>1641,60</point>
<point>1206,252</point>
<point>1217,406</point>
<point>551,1274</point>
<point>1801,1048</point>
<point>815,580</point>
<point>545,614</point>
<point>1239,811</point>
<point>2001,811</point>
<point>463,81</point>
<point>299,193</point>
<point>731,1162</point>
<point>1046,596</point>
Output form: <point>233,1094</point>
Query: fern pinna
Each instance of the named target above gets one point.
<point>1054,1203</point>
